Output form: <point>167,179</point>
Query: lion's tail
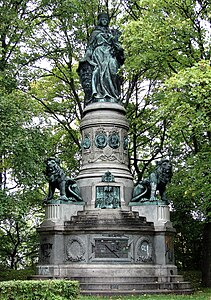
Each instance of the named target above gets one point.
<point>138,197</point>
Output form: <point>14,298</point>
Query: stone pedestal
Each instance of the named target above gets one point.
<point>110,251</point>
<point>108,245</point>
<point>104,130</point>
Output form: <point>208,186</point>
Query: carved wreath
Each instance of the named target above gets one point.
<point>75,250</point>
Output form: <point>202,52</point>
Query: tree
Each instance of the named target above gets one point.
<point>168,46</point>
<point>186,103</point>
<point>20,213</point>
<point>24,140</point>
<point>41,43</point>
<point>24,143</point>
<point>40,106</point>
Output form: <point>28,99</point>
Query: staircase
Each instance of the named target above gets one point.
<point>133,286</point>
<point>100,219</point>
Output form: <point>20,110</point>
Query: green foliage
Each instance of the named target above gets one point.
<point>22,146</point>
<point>194,277</point>
<point>189,93</point>
<point>20,214</point>
<point>40,289</point>
<point>8,274</point>
<point>164,41</point>
<point>166,36</point>
<point>55,96</point>
<point>168,50</point>
<point>187,242</point>
<point>23,140</point>
<point>185,105</point>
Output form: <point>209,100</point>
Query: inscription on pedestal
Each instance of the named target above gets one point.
<point>169,249</point>
<point>45,252</point>
<point>111,248</point>
<point>108,197</point>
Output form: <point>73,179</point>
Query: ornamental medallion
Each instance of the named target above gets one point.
<point>86,143</point>
<point>100,140</point>
<point>114,140</point>
<point>125,143</point>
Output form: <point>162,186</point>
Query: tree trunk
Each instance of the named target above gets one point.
<point>206,262</point>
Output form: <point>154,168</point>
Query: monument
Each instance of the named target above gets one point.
<point>111,236</point>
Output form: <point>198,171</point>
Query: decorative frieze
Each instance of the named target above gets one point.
<point>105,144</point>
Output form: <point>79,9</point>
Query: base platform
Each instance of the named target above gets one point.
<point>111,252</point>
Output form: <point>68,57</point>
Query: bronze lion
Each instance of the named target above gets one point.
<point>146,189</point>
<point>57,179</point>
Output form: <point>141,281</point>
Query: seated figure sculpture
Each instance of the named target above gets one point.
<point>146,189</point>
<point>69,191</point>
<point>98,70</point>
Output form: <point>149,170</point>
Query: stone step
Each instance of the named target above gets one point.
<point>135,292</point>
<point>119,280</point>
<point>142,279</point>
<point>135,286</point>
<point>115,222</point>
<point>124,219</point>
<point>109,214</point>
<point>128,285</point>
<point>108,217</point>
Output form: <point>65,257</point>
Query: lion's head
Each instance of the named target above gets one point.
<point>164,171</point>
<point>53,169</point>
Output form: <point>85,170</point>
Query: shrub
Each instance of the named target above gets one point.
<point>194,277</point>
<point>9,274</point>
<point>39,289</point>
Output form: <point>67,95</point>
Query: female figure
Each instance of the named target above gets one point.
<point>104,56</point>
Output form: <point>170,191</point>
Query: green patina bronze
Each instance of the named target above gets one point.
<point>145,190</point>
<point>125,143</point>
<point>101,140</point>
<point>68,189</point>
<point>114,140</point>
<point>86,143</point>
<point>98,70</point>
<point>108,196</point>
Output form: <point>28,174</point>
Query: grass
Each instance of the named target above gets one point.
<point>204,294</point>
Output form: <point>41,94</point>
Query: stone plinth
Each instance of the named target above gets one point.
<point>106,236</point>
<point>104,130</point>
<point>59,213</point>
<point>110,251</point>
<point>159,214</point>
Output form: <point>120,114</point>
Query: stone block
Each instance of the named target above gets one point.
<point>158,214</point>
<point>59,213</point>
